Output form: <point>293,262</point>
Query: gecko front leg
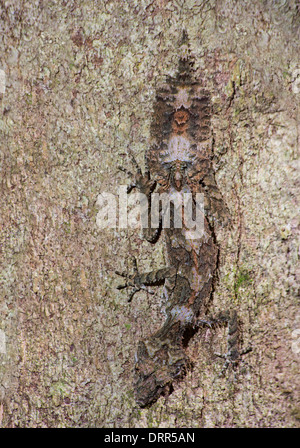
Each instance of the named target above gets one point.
<point>139,281</point>
<point>233,355</point>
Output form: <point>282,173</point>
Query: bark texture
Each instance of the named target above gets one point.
<point>77,87</point>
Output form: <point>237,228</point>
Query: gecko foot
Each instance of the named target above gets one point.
<point>232,358</point>
<point>133,281</point>
<point>139,180</point>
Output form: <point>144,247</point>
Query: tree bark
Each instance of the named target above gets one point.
<point>77,88</point>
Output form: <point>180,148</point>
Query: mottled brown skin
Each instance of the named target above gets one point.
<point>179,159</point>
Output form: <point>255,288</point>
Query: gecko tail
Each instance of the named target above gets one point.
<point>186,60</point>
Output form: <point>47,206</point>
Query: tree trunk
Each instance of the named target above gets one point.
<point>77,87</point>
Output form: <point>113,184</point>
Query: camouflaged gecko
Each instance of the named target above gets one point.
<point>179,160</point>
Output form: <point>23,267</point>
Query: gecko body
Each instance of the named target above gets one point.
<point>179,161</point>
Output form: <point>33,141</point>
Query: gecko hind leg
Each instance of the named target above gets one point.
<point>142,182</point>
<point>145,185</point>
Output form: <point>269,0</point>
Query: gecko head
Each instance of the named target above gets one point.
<point>154,374</point>
<point>151,378</point>
<point>148,390</point>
